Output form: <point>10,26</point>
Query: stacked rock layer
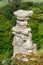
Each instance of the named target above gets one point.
<point>22,42</point>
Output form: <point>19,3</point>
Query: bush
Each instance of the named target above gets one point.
<point>8,20</point>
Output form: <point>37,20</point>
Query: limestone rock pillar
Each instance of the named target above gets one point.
<point>22,42</point>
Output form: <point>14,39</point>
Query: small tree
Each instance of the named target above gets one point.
<point>16,0</point>
<point>8,0</point>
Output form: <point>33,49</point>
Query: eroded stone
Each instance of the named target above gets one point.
<point>22,42</point>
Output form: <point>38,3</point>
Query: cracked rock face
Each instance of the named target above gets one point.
<point>22,42</point>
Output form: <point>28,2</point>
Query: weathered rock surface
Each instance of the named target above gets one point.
<point>22,42</point>
<point>23,13</point>
<point>23,30</point>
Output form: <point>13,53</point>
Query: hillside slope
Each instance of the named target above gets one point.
<point>3,4</point>
<point>33,0</point>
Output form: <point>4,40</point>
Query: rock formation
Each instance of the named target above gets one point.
<point>22,42</point>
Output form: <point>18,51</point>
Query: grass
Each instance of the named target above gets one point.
<point>34,0</point>
<point>32,60</point>
<point>2,4</point>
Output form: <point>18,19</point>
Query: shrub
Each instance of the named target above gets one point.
<point>8,20</point>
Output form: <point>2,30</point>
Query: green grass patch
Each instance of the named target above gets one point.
<point>2,4</point>
<point>38,1</point>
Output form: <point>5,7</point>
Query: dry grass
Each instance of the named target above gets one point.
<point>32,59</point>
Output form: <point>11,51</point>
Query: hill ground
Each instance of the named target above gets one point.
<point>3,4</point>
<point>33,0</point>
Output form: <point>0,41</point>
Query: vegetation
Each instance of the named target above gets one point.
<point>8,20</point>
<point>2,4</point>
<point>33,1</point>
<point>32,60</point>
